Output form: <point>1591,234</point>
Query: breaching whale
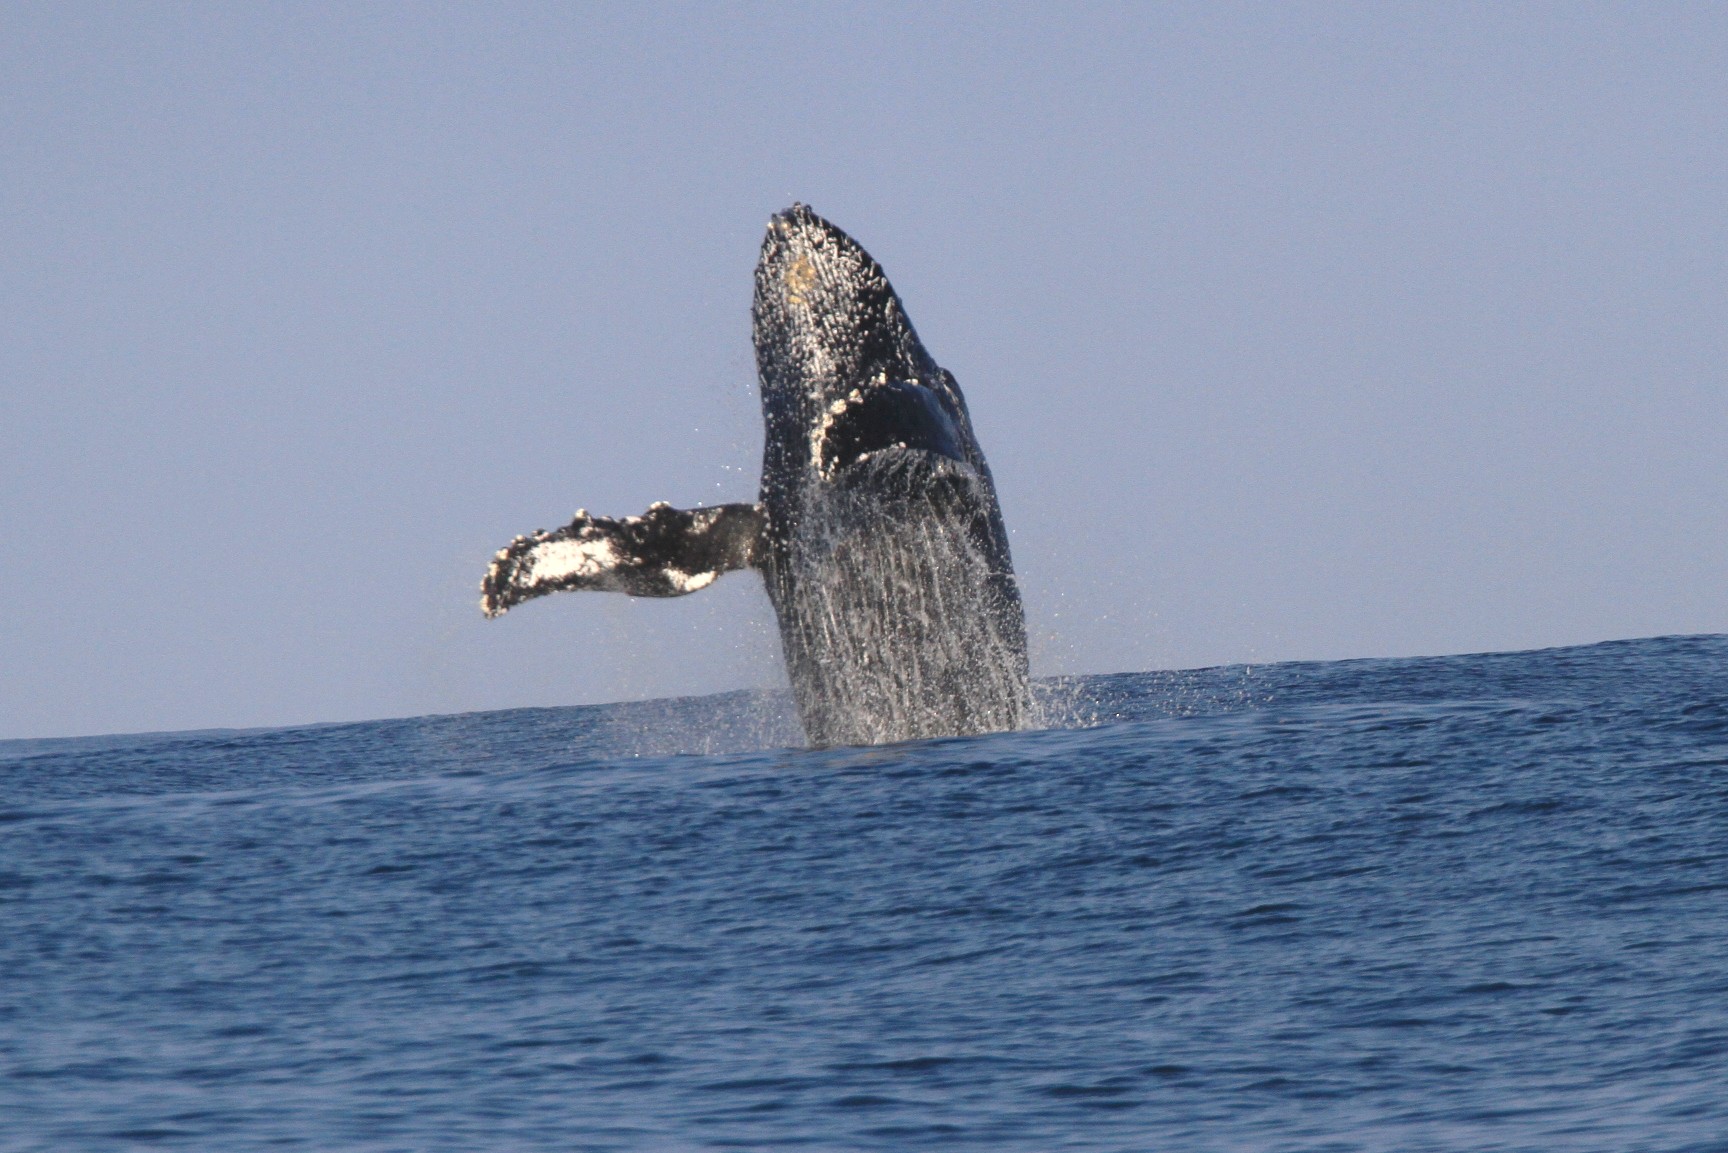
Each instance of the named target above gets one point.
<point>877,532</point>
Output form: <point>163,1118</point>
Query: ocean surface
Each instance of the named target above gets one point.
<point>1460,903</point>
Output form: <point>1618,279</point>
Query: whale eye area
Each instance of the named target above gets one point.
<point>887,414</point>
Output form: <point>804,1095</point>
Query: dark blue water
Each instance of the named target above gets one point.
<point>1463,903</point>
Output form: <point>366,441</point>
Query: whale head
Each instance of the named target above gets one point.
<point>826,319</point>
<point>844,376</point>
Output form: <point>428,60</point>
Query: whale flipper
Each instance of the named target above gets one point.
<point>665,552</point>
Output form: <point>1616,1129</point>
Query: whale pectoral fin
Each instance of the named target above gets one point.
<point>665,552</point>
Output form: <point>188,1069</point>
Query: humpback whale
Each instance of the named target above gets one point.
<point>877,532</point>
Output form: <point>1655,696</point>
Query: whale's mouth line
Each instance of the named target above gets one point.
<point>875,418</point>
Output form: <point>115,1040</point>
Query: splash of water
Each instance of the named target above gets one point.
<point>901,594</point>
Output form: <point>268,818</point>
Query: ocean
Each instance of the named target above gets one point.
<point>1454,903</point>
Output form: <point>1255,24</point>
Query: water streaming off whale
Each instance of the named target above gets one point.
<point>896,587</point>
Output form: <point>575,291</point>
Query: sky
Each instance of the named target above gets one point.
<point>1291,331</point>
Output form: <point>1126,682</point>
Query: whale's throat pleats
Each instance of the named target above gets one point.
<point>898,615</point>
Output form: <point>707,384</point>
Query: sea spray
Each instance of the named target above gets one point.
<point>898,587</point>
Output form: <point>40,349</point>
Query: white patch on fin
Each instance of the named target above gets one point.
<point>688,582</point>
<point>563,559</point>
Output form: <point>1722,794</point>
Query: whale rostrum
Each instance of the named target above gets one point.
<point>877,532</point>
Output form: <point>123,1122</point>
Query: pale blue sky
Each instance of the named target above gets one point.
<point>1290,331</point>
